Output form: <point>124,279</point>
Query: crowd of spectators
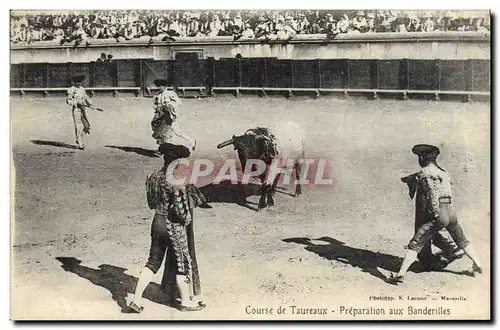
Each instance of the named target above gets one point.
<point>126,25</point>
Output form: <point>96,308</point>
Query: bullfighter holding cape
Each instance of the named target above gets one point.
<point>164,124</point>
<point>172,234</point>
<point>78,99</point>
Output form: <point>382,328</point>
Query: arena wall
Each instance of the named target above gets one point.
<point>435,62</point>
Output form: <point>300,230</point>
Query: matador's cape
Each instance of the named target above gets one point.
<point>184,199</point>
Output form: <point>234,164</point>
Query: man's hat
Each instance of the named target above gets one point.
<point>176,151</point>
<point>160,82</point>
<point>425,150</point>
<point>78,78</point>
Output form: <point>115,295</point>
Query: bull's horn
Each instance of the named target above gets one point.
<point>225,143</point>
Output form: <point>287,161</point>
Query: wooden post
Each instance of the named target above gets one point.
<point>212,79</point>
<point>22,74</point>
<point>47,82</point>
<point>374,77</point>
<point>469,75</point>
<point>92,74</point>
<point>437,67</point>
<point>344,73</point>
<point>263,77</point>
<point>239,73</point>
<point>404,77</point>
<point>69,70</point>
<point>265,72</point>
<point>138,75</point>
<point>319,73</point>
<point>347,83</point>
<point>115,73</point>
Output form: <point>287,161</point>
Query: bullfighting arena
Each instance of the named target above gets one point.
<point>81,223</point>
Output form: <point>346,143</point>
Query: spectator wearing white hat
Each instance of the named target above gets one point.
<point>162,26</point>
<point>272,21</point>
<point>237,24</point>
<point>359,22</point>
<point>399,22</point>
<point>479,25</point>
<point>262,29</point>
<point>173,28</point>
<point>214,26</point>
<point>428,25</point>
<point>413,24</point>
<point>130,31</point>
<point>386,22</point>
<point>203,26</point>
<point>79,34</point>
<point>184,24</point>
<point>371,25</point>
<point>58,34</point>
<point>15,31</point>
<point>193,25</point>
<point>225,25</point>
<point>343,24</point>
<point>302,24</point>
<point>248,32</point>
<point>290,22</point>
<point>284,31</point>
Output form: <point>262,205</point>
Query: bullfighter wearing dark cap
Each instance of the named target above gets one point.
<point>77,99</point>
<point>164,124</point>
<point>172,233</point>
<point>436,184</point>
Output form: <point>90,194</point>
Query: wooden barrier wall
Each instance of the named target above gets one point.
<point>404,74</point>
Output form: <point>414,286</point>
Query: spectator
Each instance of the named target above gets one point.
<point>359,22</point>
<point>204,26</point>
<point>248,32</point>
<point>225,29</point>
<point>237,24</point>
<point>314,26</point>
<point>479,25</point>
<point>413,24</point>
<point>214,26</point>
<point>302,24</point>
<point>370,23</point>
<point>290,22</point>
<point>429,25</point>
<point>263,28</point>
<point>183,25</point>
<point>343,24</point>
<point>399,23</point>
<point>284,30</point>
<point>127,25</point>
<point>328,23</point>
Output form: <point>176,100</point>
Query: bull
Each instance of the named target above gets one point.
<point>282,144</point>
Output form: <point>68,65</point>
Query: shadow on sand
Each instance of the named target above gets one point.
<point>137,150</point>
<point>54,144</point>
<point>226,192</point>
<point>367,260</point>
<point>115,281</point>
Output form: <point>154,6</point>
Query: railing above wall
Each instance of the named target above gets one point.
<point>382,46</point>
<point>465,36</point>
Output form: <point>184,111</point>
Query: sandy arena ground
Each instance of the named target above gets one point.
<point>91,206</point>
